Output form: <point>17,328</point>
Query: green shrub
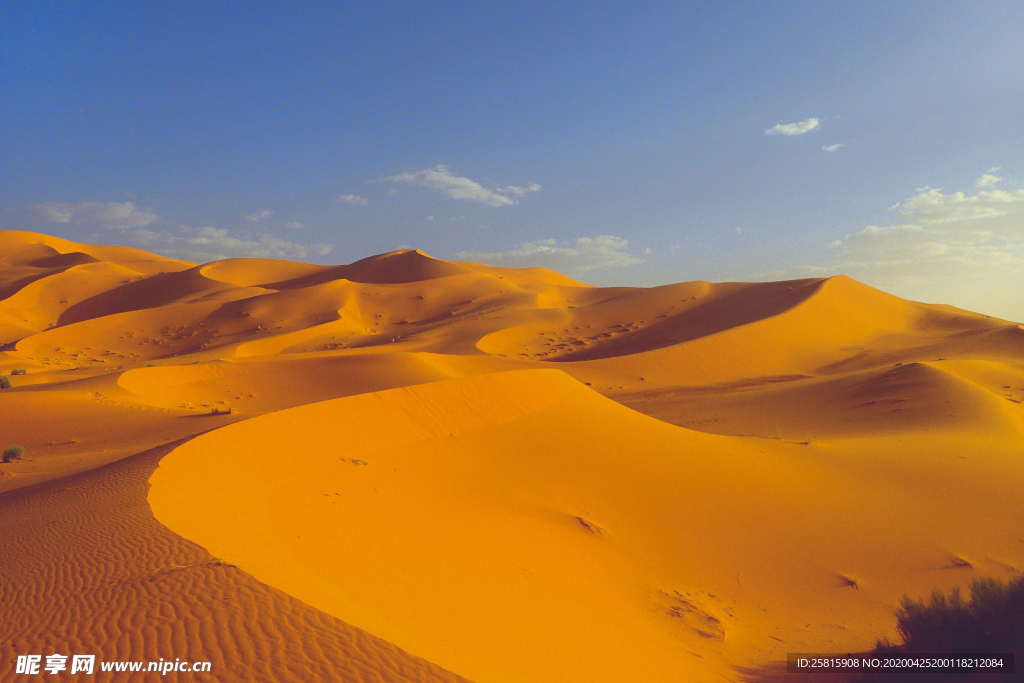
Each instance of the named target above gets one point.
<point>4,382</point>
<point>13,453</point>
<point>19,371</point>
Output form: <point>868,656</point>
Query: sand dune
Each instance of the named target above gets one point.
<point>88,570</point>
<point>804,453</point>
<point>625,548</point>
<point>901,398</point>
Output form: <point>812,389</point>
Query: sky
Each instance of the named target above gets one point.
<point>624,143</point>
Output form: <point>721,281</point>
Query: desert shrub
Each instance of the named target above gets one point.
<point>943,625</point>
<point>13,453</point>
<point>19,371</point>
<point>4,382</point>
<point>993,620</point>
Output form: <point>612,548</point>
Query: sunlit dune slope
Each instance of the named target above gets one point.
<point>87,569</point>
<point>41,277</point>
<point>688,334</point>
<point>518,526</point>
<point>820,448</point>
<point>258,387</point>
<point>841,326</point>
<point>892,400</point>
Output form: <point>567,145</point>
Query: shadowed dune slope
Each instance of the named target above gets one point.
<point>841,326</point>
<point>13,243</point>
<point>625,548</point>
<point>42,277</point>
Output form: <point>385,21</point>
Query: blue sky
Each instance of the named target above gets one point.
<point>622,143</point>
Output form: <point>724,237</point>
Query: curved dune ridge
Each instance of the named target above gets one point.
<point>88,570</point>
<point>819,449</point>
<point>518,526</point>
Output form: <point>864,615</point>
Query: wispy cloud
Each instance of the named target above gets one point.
<point>519,191</point>
<point>586,254</point>
<point>441,179</point>
<point>931,207</point>
<point>211,244</point>
<point>259,216</point>
<point>798,128</point>
<point>833,148</point>
<point>294,225</point>
<point>950,247</point>
<point>352,199</point>
<point>984,230</point>
<point>108,215</point>
<point>987,179</point>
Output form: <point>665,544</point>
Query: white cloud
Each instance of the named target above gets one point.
<point>833,148</point>
<point>352,199</point>
<point>294,225</point>
<point>441,179</point>
<point>110,215</point>
<point>585,255</point>
<point>930,205</point>
<point>987,180</point>
<point>519,191</point>
<point>982,230</point>
<point>259,216</point>
<point>798,128</point>
<point>211,244</point>
<point>967,250</point>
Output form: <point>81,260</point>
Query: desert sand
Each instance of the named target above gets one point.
<point>409,469</point>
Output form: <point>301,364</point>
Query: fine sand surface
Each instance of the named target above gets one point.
<point>405,467</point>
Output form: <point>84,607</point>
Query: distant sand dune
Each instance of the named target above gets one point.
<point>901,398</point>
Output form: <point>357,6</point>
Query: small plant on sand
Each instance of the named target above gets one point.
<point>4,383</point>
<point>12,453</point>
<point>220,411</point>
<point>19,371</point>
<point>992,621</point>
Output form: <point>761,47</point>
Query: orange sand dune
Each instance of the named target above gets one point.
<point>893,400</point>
<point>518,526</point>
<point>87,570</point>
<point>819,449</point>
